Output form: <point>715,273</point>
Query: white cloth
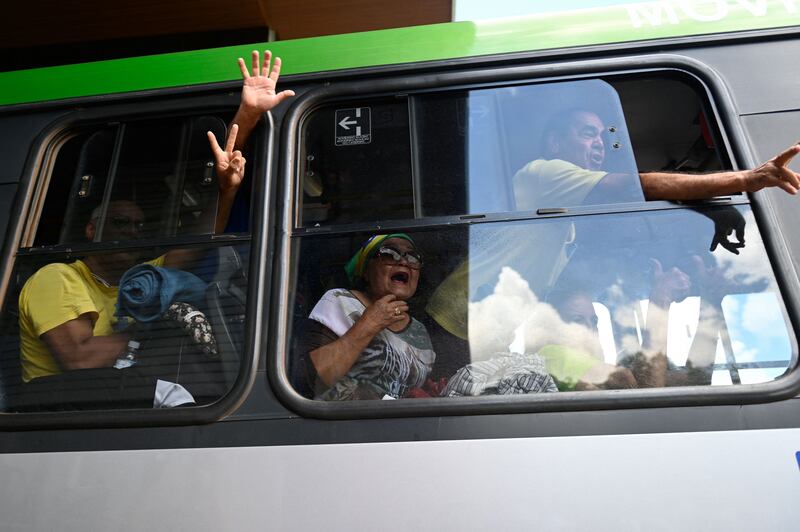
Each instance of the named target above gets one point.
<point>503,374</point>
<point>169,394</point>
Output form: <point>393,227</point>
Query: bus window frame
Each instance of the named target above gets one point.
<point>732,141</point>
<point>27,210</point>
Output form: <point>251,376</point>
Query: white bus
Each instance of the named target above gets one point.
<point>665,331</point>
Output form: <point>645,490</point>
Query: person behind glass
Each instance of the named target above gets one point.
<point>570,172</point>
<point>67,310</point>
<point>572,367</point>
<point>362,342</point>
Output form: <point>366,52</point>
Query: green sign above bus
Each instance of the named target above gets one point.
<point>632,22</point>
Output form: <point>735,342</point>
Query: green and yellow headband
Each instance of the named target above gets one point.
<point>355,267</point>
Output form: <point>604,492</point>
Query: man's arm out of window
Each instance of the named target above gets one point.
<point>675,186</point>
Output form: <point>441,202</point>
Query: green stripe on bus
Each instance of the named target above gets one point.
<point>634,22</point>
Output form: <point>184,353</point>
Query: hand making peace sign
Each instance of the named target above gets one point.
<point>229,163</point>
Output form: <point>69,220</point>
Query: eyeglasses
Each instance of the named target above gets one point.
<point>389,255</point>
<point>124,222</point>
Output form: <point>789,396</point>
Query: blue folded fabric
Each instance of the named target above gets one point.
<point>147,291</point>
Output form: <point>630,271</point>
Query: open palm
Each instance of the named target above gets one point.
<point>258,89</point>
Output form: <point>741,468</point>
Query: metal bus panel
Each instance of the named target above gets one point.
<point>687,481</point>
<point>760,87</point>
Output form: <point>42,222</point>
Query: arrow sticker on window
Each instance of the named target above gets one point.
<point>353,126</point>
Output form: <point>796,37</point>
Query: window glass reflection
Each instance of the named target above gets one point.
<point>187,325</point>
<point>503,149</point>
<point>524,148</point>
<point>597,302</point>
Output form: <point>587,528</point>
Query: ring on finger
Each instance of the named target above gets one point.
<point>396,311</point>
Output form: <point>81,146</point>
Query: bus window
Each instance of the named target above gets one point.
<point>619,308</point>
<point>474,151</point>
<point>510,300</point>
<point>164,166</point>
<point>125,300</point>
<point>356,163</point>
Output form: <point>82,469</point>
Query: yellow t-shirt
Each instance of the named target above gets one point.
<point>54,295</point>
<point>553,183</point>
<point>536,251</point>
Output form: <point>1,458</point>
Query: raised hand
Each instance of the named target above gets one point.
<point>229,162</point>
<point>668,286</point>
<point>727,221</point>
<point>258,88</point>
<point>775,173</point>
<point>714,283</point>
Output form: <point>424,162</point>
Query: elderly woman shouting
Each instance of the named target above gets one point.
<point>362,342</point>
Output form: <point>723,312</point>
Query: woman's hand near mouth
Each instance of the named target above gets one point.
<point>385,312</point>
<point>334,360</point>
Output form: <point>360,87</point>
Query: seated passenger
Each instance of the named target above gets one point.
<point>574,368</point>
<point>571,367</point>
<point>67,311</point>
<point>362,342</point>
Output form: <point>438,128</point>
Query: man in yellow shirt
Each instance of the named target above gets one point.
<point>67,310</point>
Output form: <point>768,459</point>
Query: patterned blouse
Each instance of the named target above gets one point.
<point>392,363</point>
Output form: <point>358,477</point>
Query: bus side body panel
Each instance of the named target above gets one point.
<point>691,481</point>
<point>19,133</point>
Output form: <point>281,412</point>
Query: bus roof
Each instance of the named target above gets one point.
<point>585,27</point>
